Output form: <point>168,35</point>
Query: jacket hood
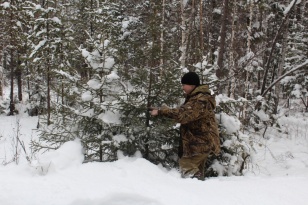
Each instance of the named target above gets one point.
<point>205,90</point>
<point>201,89</point>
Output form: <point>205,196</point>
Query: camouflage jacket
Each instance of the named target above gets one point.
<point>199,129</point>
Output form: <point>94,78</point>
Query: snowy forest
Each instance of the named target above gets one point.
<point>89,69</point>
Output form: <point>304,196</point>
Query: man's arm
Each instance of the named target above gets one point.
<point>189,112</point>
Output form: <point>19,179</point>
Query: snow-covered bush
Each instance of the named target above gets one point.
<point>235,146</point>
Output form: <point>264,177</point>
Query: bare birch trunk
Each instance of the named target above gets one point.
<point>162,40</point>
<point>231,58</point>
<point>184,36</point>
<point>261,29</point>
<point>201,39</point>
<point>201,28</point>
<point>211,39</point>
<point>281,64</point>
<point>2,23</point>
<point>48,76</point>
<point>1,82</point>
<point>2,57</point>
<point>220,72</point>
<point>249,38</point>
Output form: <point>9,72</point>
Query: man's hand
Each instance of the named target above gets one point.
<point>153,111</point>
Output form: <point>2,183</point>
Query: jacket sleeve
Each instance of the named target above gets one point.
<point>189,112</point>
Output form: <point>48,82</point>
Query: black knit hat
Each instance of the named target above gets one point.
<point>190,78</point>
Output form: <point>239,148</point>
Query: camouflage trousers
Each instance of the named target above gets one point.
<point>193,167</point>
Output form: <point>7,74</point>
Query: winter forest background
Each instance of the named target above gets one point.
<point>89,69</point>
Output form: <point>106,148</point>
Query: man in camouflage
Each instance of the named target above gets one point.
<point>199,130</point>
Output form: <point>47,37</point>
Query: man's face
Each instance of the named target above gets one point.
<point>188,88</point>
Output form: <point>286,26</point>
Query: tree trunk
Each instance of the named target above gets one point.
<point>187,12</point>
<point>220,71</point>
<point>4,68</point>
<point>184,35</point>
<point>12,104</point>
<point>201,28</point>
<point>12,42</point>
<point>249,38</point>
<point>201,47</point>
<point>1,82</point>
<point>147,121</point>
<point>3,58</point>
<point>232,52</point>
<point>162,39</point>
<point>19,79</point>
<point>280,66</point>
<point>211,40</point>
<point>48,75</point>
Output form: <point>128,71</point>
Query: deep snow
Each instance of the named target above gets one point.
<point>279,175</point>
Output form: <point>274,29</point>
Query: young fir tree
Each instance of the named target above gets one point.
<point>147,80</point>
<point>157,139</point>
<point>89,87</point>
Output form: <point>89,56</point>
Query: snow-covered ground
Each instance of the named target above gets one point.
<point>279,174</point>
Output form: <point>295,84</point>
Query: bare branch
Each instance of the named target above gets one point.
<point>286,74</point>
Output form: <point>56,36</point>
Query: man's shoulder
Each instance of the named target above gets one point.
<point>202,97</point>
<point>205,98</point>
